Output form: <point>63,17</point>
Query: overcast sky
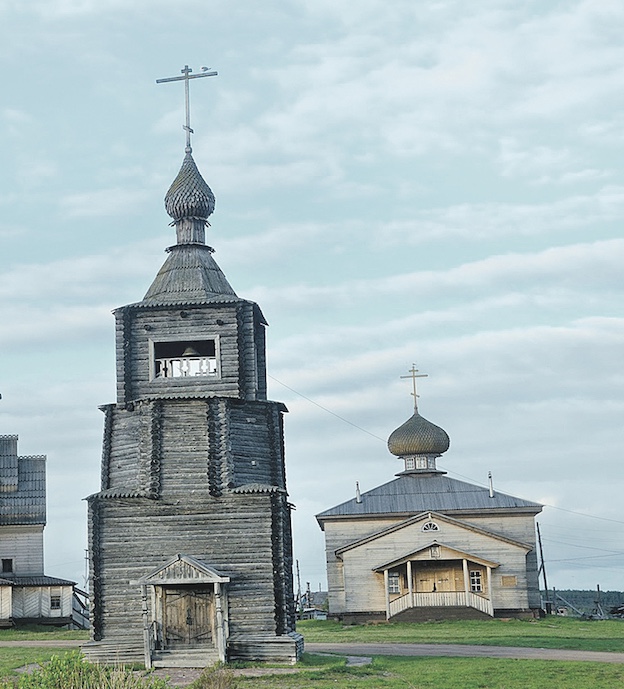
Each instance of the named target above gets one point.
<point>437,182</point>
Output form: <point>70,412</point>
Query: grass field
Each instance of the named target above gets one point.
<point>322,672</point>
<point>32,632</point>
<point>447,673</point>
<point>19,656</point>
<point>551,632</point>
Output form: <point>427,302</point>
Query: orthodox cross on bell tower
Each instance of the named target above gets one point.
<point>186,76</point>
<point>413,374</point>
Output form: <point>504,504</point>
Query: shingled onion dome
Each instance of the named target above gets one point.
<point>418,442</point>
<point>189,202</point>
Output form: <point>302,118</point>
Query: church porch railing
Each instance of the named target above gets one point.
<point>440,599</point>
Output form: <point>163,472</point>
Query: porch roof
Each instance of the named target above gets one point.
<point>183,569</point>
<point>458,555</point>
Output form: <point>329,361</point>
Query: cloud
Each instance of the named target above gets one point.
<point>104,203</point>
<point>493,220</point>
<point>571,267</point>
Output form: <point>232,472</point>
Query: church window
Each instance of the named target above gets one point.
<point>7,565</point>
<point>476,580</point>
<point>409,464</point>
<point>55,602</point>
<point>394,582</point>
<point>421,463</point>
<point>185,359</point>
<point>430,526</point>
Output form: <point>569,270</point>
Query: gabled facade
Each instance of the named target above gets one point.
<point>26,594</point>
<point>428,546</point>
<point>193,472</point>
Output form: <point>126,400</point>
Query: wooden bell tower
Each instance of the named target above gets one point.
<point>190,536</point>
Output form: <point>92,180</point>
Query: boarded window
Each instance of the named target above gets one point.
<point>7,565</point>
<point>509,581</point>
<point>185,359</point>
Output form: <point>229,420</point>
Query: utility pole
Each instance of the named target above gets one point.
<point>542,569</point>
<point>298,588</point>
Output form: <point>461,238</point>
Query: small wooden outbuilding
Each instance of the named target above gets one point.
<point>27,595</point>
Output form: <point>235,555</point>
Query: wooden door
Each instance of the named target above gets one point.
<point>425,580</point>
<point>428,580</point>
<point>188,618</point>
<point>444,580</point>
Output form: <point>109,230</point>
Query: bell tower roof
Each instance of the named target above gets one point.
<point>190,273</point>
<point>189,197</point>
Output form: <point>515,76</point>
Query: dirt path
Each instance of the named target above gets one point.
<point>463,651</point>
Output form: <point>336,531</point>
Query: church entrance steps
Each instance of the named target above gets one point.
<point>185,657</point>
<point>439,613</point>
<point>440,599</point>
<point>115,652</point>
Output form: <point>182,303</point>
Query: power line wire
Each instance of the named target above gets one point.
<point>468,478</point>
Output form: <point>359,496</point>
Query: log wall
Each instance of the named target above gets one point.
<point>238,331</point>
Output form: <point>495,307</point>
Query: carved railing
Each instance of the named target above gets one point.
<point>181,367</point>
<point>440,599</point>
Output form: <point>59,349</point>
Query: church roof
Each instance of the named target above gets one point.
<point>189,196</point>
<point>189,275</point>
<point>417,436</point>
<point>415,493</point>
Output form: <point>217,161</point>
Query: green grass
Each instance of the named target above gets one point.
<point>551,632</point>
<point>18,656</point>
<point>34,631</point>
<point>448,673</point>
<point>71,671</point>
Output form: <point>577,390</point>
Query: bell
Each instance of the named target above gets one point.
<point>190,351</point>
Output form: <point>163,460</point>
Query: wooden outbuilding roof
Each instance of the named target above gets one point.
<point>22,485</point>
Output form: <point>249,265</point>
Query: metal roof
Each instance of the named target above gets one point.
<point>22,485</point>
<point>9,580</point>
<point>415,493</point>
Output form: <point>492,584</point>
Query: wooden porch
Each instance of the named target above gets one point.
<point>440,599</point>
<point>438,577</point>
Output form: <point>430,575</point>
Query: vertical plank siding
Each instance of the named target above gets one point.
<point>23,543</point>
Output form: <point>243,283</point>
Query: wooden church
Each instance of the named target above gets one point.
<point>190,535</point>
<point>425,546</point>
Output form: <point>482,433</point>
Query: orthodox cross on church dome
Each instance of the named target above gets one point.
<point>186,76</point>
<point>413,374</point>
